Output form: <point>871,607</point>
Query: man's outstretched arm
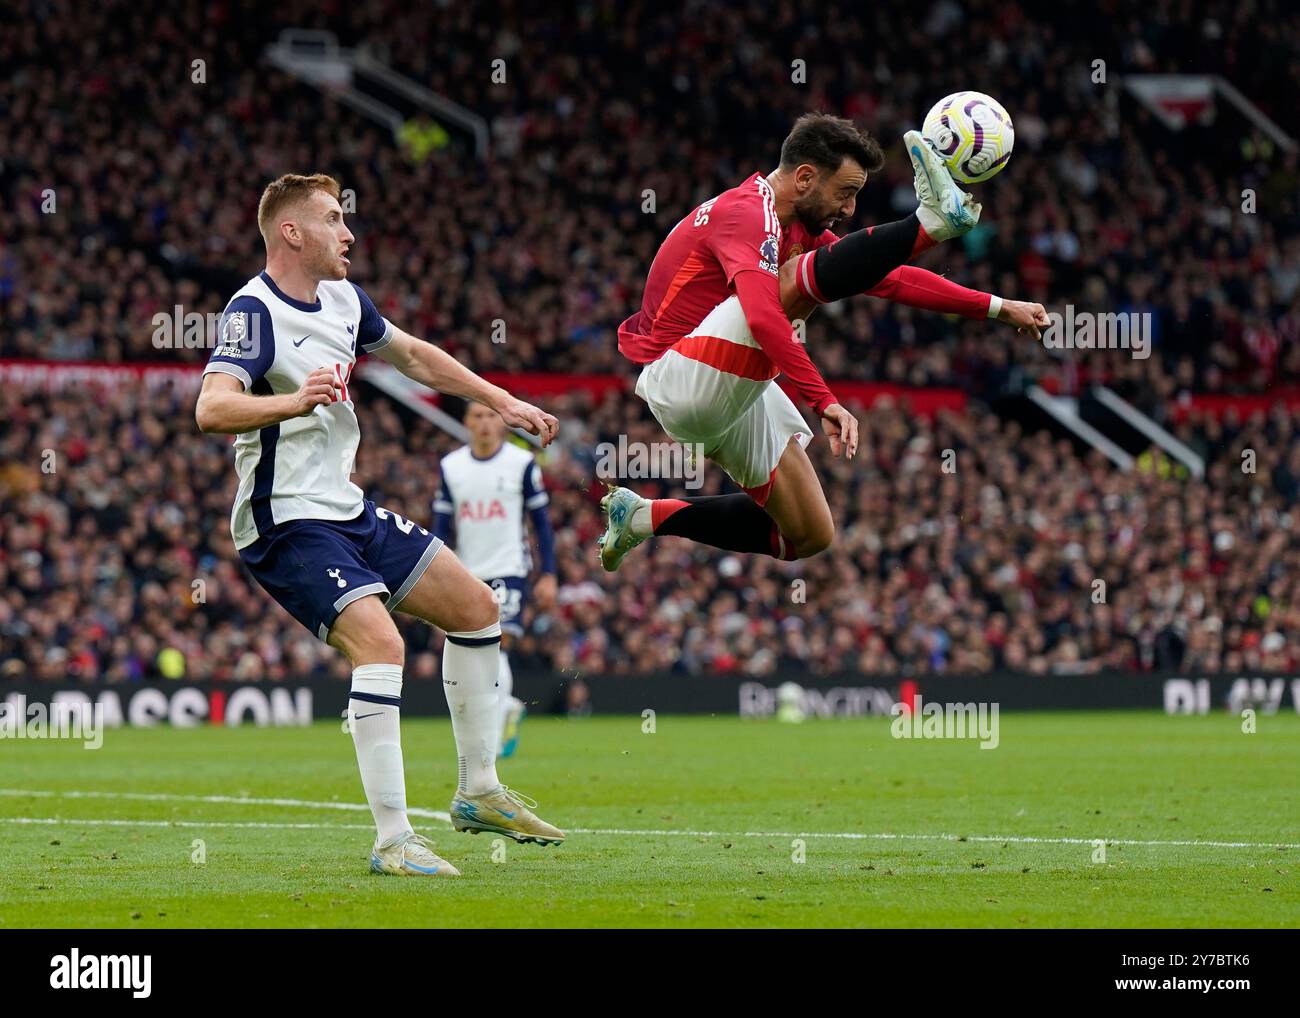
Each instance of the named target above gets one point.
<point>914,287</point>
<point>921,288</point>
<point>439,370</point>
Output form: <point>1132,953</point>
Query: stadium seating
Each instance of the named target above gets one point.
<point>990,566</point>
<point>155,178</point>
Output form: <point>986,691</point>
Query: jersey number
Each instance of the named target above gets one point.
<point>403,524</point>
<point>507,598</point>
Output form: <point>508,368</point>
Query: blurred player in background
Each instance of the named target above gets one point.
<point>331,558</point>
<point>487,487</point>
<point>714,332</point>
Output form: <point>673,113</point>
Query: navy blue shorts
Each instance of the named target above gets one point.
<point>510,594</point>
<point>316,568</point>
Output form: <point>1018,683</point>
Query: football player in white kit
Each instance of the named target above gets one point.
<point>487,487</point>
<point>334,560</point>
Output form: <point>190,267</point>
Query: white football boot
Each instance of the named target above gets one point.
<point>945,210</point>
<point>503,811</point>
<point>409,855</point>
<point>617,540</point>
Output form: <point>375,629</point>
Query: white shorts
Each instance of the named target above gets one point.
<point>739,416</point>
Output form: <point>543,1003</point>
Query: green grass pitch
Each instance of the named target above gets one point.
<point>705,822</point>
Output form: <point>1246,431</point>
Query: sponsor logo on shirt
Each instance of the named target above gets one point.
<point>481,511</point>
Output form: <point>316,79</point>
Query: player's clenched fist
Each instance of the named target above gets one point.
<point>1026,316</point>
<point>317,390</point>
<point>841,427</point>
<point>518,414</point>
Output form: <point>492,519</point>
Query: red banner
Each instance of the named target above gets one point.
<point>1244,406</point>
<point>60,374</point>
<point>538,385</point>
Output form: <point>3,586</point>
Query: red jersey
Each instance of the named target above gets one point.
<point>737,234</point>
<point>695,270</point>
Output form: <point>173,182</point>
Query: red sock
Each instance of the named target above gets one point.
<point>662,508</point>
<point>923,243</point>
<point>781,548</point>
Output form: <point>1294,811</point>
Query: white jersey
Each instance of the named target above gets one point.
<point>487,500</point>
<point>300,468</point>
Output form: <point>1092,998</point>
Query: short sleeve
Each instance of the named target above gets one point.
<point>443,504</point>
<point>246,342</point>
<point>534,493</point>
<point>374,331</point>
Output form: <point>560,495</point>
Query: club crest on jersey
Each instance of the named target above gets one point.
<point>768,253</point>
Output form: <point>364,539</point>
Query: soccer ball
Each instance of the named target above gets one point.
<point>973,134</point>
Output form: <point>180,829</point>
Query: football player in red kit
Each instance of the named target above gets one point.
<point>714,332</point>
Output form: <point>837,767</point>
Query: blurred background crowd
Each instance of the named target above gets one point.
<point>131,188</point>
<point>119,562</point>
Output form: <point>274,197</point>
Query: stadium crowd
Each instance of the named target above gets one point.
<point>116,560</point>
<point>132,174</point>
<point>135,184</point>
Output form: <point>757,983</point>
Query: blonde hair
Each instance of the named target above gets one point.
<point>286,191</point>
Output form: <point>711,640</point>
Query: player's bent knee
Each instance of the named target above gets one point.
<point>478,609</point>
<point>486,607</point>
<point>366,634</point>
<point>371,648</point>
<point>815,540</point>
<point>390,648</point>
<point>794,303</point>
<point>375,648</point>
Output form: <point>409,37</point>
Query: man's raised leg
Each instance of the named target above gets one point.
<point>858,261</point>
<point>794,522</point>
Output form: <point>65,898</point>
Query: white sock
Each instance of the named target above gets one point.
<point>471,665</point>
<point>505,688</point>
<point>932,223</point>
<point>373,710</point>
<point>641,524</point>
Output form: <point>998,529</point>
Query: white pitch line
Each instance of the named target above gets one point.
<point>1016,839</point>
<point>69,822</point>
<point>431,814</point>
<point>237,800</point>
